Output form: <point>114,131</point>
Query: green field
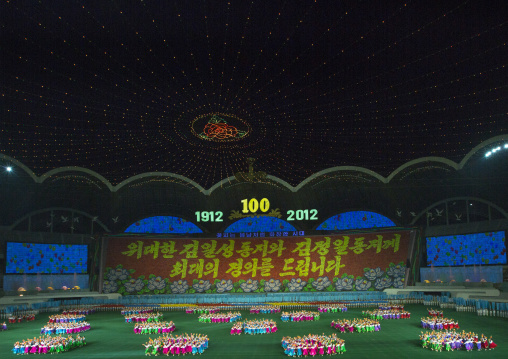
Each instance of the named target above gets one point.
<point>111,337</point>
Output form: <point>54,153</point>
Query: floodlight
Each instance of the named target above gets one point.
<point>8,168</point>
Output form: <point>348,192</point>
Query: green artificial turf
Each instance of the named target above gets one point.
<point>111,337</point>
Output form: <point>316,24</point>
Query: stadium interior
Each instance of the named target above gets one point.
<point>231,156</point>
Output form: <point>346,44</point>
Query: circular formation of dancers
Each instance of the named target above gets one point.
<point>67,318</point>
<point>65,328</point>
<point>264,309</point>
<point>332,308</point>
<point>263,326</point>
<point>313,345</point>
<point>228,317</point>
<point>452,340</point>
<point>436,323</point>
<point>202,310</point>
<point>177,345</point>
<point>359,325</point>
<point>136,310</point>
<point>48,345</point>
<point>300,316</point>
<point>144,317</point>
<point>442,336</point>
<point>154,328</point>
<point>387,314</point>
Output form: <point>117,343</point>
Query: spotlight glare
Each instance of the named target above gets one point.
<point>488,154</point>
<point>8,168</point>
<point>506,145</point>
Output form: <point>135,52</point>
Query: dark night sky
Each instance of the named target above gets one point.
<point>119,86</point>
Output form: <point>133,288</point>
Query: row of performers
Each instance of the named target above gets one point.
<point>302,315</point>
<point>391,307</point>
<point>263,326</point>
<point>435,313</point>
<point>451,340</point>
<point>358,325</point>
<point>386,314</point>
<point>136,310</point>
<point>435,323</point>
<point>67,318</point>
<point>228,317</point>
<point>48,344</point>
<point>146,317</point>
<point>76,311</point>
<point>21,318</point>
<point>332,308</point>
<point>65,328</point>
<point>264,309</point>
<point>154,328</point>
<point>202,310</point>
<point>181,344</point>
<point>313,345</point>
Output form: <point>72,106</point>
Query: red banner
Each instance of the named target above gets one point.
<point>258,258</point>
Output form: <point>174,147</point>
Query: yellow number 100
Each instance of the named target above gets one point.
<point>252,205</point>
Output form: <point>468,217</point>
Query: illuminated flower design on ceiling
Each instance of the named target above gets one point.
<point>217,129</point>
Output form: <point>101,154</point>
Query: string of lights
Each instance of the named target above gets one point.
<point>195,90</point>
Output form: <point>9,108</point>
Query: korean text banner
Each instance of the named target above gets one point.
<point>371,261</point>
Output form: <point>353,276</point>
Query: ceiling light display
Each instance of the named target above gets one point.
<point>220,127</point>
<point>194,90</point>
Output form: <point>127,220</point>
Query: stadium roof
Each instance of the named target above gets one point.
<point>124,88</point>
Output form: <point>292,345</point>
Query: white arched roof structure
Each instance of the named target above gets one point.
<point>365,171</point>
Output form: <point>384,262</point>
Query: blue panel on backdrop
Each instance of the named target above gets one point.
<point>46,258</point>
<point>260,224</point>
<point>356,220</point>
<point>163,224</point>
<point>467,249</point>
